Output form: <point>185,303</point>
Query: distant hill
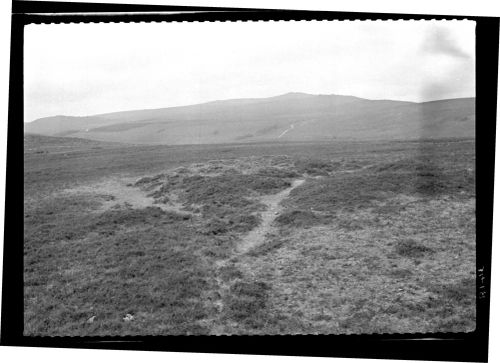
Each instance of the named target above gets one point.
<point>289,117</point>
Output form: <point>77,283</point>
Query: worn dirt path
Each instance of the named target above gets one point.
<point>257,236</point>
<point>254,238</point>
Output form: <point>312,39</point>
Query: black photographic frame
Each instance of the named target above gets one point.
<point>433,346</point>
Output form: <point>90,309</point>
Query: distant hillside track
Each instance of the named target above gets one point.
<point>290,117</point>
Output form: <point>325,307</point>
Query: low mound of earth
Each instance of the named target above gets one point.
<point>290,117</point>
<point>259,245</point>
<point>38,144</point>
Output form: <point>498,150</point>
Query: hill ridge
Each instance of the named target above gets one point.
<point>292,116</point>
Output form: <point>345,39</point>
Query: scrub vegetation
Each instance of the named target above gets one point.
<point>291,238</point>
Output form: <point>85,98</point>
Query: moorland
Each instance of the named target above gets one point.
<point>294,237</point>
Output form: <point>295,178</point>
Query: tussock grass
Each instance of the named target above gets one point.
<point>122,262</point>
<point>246,302</point>
<point>280,173</point>
<point>400,273</point>
<point>364,189</point>
<point>230,273</point>
<point>267,247</point>
<point>232,223</point>
<point>64,221</point>
<point>226,201</point>
<point>314,167</point>
<point>340,260</point>
<point>450,307</point>
<point>412,248</point>
<point>149,180</point>
<point>299,219</point>
<point>354,270</point>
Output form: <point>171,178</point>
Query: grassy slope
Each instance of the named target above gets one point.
<point>388,246</point>
<point>325,117</point>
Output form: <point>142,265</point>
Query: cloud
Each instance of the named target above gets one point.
<point>440,40</point>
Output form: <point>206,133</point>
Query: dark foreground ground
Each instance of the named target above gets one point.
<point>248,239</point>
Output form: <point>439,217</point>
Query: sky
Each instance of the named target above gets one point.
<point>88,69</point>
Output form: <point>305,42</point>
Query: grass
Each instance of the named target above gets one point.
<point>373,278</point>
<point>246,301</point>
<point>233,222</point>
<point>267,247</point>
<point>314,167</point>
<point>226,201</point>
<point>411,248</point>
<point>371,187</point>
<point>299,219</point>
<point>126,262</point>
<point>379,239</point>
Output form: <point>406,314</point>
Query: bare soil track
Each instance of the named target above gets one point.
<point>257,236</point>
<point>118,191</point>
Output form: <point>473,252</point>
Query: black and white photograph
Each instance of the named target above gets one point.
<point>249,178</point>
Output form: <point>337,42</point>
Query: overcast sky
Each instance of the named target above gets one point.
<point>87,69</point>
